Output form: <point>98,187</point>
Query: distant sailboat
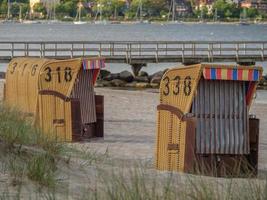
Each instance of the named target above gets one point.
<point>99,13</point>
<point>201,15</point>
<point>243,17</point>
<point>139,13</point>
<point>78,16</point>
<point>8,10</point>
<point>52,13</point>
<point>172,12</point>
<point>8,18</point>
<point>20,13</point>
<point>215,17</point>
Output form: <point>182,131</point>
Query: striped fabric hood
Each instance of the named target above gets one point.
<point>231,74</point>
<point>94,64</point>
<point>251,75</point>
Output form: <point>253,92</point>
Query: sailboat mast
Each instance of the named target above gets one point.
<point>79,13</point>
<point>215,15</point>
<point>115,12</point>
<point>8,9</point>
<point>173,9</point>
<point>20,12</point>
<point>100,11</point>
<point>201,15</point>
<point>54,9</point>
<point>141,10</point>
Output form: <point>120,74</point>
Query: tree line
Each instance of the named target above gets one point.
<point>121,10</point>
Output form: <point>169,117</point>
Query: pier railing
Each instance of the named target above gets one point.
<point>140,51</point>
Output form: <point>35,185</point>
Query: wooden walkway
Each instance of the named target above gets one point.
<point>140,52</point>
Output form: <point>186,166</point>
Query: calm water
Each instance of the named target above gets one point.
<point>148,32</point>
<point>145,32</point>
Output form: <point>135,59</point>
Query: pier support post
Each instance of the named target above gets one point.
<point>137,67</point>
<point>247,63</point>
<point>190,63</point>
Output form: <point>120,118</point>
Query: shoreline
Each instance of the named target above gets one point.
<point>122,22</point>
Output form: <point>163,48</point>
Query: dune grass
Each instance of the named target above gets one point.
<point>25,151</point>
<point>28,156</point>
<point>138,181</point>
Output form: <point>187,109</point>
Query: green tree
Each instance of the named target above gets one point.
<point>110,8</point>
<point>67,7</point>
<point>252,12</point>
<point>3,7</point>
<point>39,8</point>
<point>156,6</point>
<point>22,1</point>
<point>202,12</point>
<point>149,8</point>
<point>25,9</point>
<point>14,10</point>
<point>228,13</point>
<point>205,12</point>
<point>226,9</point>
<point>117,8</point>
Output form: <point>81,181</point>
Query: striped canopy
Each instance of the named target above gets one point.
<point>235,73</point>
<point>231,74</point>
<point>94,64</point>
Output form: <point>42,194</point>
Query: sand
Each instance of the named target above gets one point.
<point>130,133</point>
<point>130,124</point>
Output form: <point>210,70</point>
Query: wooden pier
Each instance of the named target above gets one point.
<point>140,52</point>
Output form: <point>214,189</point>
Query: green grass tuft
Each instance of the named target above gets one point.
<point>42,168</point>
<point>26,150</point>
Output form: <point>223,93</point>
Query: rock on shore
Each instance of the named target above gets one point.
<point>263,83</point>
<point>127,79</point>
<point>143,80</point>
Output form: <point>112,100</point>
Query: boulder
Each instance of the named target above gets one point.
<point>112,76</point>
<point>142,85</point>
<point>126,76</point>
<point>99,84</point>
<point>154,85</point>
<point>104,73</point>
<point>106,83</point>
<point>142,73</point>
<point>156,77</point>
<point>261,87</point>
<point>103,83</point>
<point>118,83</point>
<point>131,85</point>
<point>136,68</point>
<point>141,79</point>
<point>2,75</point>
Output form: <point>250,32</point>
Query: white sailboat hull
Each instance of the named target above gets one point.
<point>79,22</point>
<point>103,22</point>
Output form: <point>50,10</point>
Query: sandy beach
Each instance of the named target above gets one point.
<point>129,138</point>
<point>130,124</point>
